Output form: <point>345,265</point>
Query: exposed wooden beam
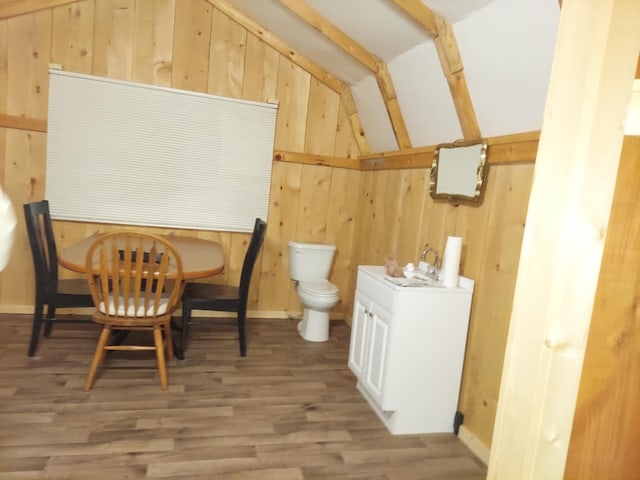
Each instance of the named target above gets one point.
<point>450,60</point>
<point>521,147</point>
<point>390,98</point>
<point>297,58</point>
<point>423,157</point>
<point>449,55</point>
<point>362,55</point>
<point>447,47</point>
<point>421,14</point>
<point>278,44</point>
<point>349,106</point>
<point>333,33</point>
<point>20,7</point>
<point>23,123</point>
<point>562,253</point>
<point>310,159</point>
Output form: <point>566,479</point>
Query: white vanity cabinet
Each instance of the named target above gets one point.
<point>407,350</point>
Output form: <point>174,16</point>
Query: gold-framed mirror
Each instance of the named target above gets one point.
<point>458,171</point>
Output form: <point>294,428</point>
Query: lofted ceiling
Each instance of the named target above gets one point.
<point>417,73</point>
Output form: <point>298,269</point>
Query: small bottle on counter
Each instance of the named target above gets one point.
<point>409,270</point>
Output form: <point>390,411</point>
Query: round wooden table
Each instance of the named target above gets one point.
<point>200,258</point>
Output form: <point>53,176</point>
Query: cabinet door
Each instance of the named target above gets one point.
<point>379,321</point>
<point>359,330</point>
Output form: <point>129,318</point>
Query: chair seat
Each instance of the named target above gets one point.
<point>211,296</point>
<point>74,288</point>
<point>131,310</point>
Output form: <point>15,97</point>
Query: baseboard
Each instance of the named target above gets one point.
<point>479,449</point>
<point>19,309</point>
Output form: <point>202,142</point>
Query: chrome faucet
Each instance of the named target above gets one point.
<point>432,269</point>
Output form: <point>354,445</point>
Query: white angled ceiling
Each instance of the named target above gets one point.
<point>506,48</point>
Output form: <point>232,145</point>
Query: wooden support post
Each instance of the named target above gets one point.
<point>578,155</point>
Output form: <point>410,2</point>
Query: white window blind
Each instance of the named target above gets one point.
<point>128,153</point>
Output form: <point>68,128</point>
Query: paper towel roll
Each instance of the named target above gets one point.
<point>449,273</point>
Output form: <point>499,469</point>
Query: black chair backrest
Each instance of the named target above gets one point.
<point>43,244</point>
<point>250,258</point>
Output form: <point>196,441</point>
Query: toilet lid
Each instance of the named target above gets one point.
<point>319,287</point>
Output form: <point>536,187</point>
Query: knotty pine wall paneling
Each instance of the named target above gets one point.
<point>72,36</point>
<point>153,53</point>
<point>414,191</point>
<point>260,80</point>
<point>191,41</point>
<point>341,230</point>
<point>494,267</point>
<point>226,56</point>
<point>606,425</point>
<point>114,39</point>
<point>322,119</point>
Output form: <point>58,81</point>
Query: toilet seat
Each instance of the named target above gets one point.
<point>320,288</point>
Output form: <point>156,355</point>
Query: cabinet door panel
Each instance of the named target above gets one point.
<point>358,345</point>
<point>375,372</point>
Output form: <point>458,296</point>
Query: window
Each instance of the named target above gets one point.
<point>128,153</point>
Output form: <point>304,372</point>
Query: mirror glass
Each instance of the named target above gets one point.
<point>457,172</point>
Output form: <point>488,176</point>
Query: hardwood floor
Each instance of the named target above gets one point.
<point>289,410</point>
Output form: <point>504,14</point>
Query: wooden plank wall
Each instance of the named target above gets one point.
<point>190,45</point>
<point>606,426</point>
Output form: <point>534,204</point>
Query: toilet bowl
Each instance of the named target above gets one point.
<point>309,266</point>
<point>317,298</point>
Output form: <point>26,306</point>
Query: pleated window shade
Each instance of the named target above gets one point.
<point>127,153</point>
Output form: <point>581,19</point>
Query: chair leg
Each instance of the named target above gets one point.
<point>48,322</point>
<point>162,366</point>
<point>35,328</point>
<point>98,356</point>
<point>168,341</point>
<point>242,336</point>
<point>184,332</point>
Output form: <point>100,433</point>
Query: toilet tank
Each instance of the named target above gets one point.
<point>310,261</point>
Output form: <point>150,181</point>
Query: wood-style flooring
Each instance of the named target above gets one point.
<point>289,410</point>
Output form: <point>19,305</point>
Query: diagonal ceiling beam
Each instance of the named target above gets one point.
<point>362,55</point>
<point>421,14</point>
<point>312,68</point>
<point>20,7</point>
<point>450,60</point>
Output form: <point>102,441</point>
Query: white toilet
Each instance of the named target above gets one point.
<point>309,266</point>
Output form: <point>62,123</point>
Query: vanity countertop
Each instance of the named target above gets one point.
<point>378,272</point>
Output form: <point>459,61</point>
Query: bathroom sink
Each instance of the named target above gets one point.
<point>417,280</point>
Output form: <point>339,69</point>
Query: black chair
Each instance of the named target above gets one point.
<point>50,290</point>
<point>223,298</point>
